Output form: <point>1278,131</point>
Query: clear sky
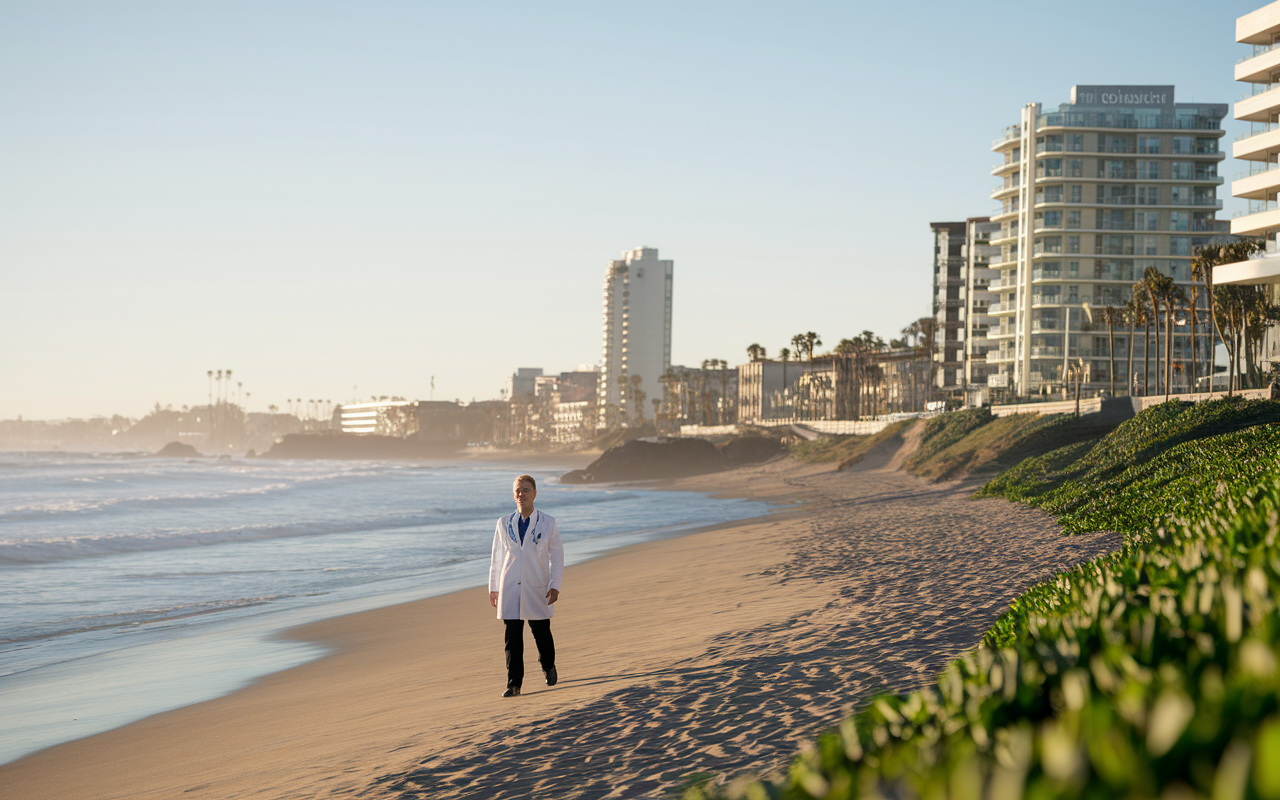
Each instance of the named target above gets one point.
<point>322,196</point>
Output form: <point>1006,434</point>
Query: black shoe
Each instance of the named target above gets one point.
<point>552,676</point>
<point>512,691</point>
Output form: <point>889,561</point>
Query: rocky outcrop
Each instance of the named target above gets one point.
<point>644,460</point>
<point>178,450</point>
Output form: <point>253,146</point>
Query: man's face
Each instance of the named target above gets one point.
<point>524,494</point>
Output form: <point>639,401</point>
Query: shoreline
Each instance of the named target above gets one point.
<point>225,656</point>
<point>716,649</point>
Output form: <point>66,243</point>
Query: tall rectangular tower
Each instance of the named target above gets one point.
<point>1120,179</point>
<point>961,300</point>
<point>948,304</point>
<point>637,336</point>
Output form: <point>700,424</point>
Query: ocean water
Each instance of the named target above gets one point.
<point>132,585</point>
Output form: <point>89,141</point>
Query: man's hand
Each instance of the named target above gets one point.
<point>552,596</point>
<point>493,599</point>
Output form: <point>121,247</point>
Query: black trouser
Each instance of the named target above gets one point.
<point>513,639</point>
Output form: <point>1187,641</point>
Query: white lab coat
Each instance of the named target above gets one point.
<point>522,574</point>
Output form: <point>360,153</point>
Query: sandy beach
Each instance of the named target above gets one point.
<point>718,651</point>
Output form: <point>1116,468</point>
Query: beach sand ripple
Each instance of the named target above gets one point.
<point>914,574</point>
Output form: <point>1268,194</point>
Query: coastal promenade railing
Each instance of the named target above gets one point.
<point>1094,404</point>
<point>1087,406</point>
<point>1139,403</point>
<point>860,427</point>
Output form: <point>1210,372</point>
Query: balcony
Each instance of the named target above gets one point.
<point>1257,146</point>
<point>1259,67</point>
<point>1259,107</point>
<point>1262,268</point>
<point>1265,218</point>
<point>1257,187</point>
<point>1009,134</point>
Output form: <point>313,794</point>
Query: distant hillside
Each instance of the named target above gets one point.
<point>342,446</point>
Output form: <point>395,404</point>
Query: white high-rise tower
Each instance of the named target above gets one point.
<point>637,335</point>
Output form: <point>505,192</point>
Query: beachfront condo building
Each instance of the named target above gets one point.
<point>637,336</point>
<point>981,283</point>
<point>1258,182</point>
<point>962,296</point>
<point>948,305</point>
<point>1120,179</point>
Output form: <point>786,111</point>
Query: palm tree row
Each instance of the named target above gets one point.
<point>1237,316</point>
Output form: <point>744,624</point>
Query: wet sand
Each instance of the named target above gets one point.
<point>718,651</point>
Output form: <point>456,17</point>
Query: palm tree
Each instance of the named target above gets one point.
<point>1111,315</point>
<point>1160,291</point>
<point>1131,314</point>
<point>1206,258</point>
<point>755,352</point>
<point>784,355</point>
<point>1174,298</point>
<point>1151,286</point>
<point>1195,336</point>
<point>811,340</point>
<point>1143,318</point>
<point>797,342</point>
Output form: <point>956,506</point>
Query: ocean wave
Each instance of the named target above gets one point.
<point>66,548</point>
<point>131,619</point>
<point>68,506</point>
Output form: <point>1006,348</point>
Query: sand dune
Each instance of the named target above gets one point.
<point>717,651</point>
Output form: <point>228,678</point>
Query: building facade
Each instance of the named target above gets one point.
<point>981,282</point>
<point>1120,179</point>
<point>1259,180</point>
<point>522,383</point>
<point>962,296</point>
<point>765,389</point>
<point>637,335</point>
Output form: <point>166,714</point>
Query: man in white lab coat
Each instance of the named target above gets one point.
<point>525,569</point>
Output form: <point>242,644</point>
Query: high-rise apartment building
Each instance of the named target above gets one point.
<point>961,299</point>
<point>948,305</point>
<point>1120,179</point>
<point>981,283</point>
<point>1259,182</point>
<point>637,335</point>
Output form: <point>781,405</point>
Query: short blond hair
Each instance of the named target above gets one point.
<point>522,478</point>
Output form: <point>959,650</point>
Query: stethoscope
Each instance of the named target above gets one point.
<point>533,522</point>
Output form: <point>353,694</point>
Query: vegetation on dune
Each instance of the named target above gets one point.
<point>1170,461</point>
<point>1005,441</point>
<point>1152,671</point>
<point>846,450</point>
<point>1145,672</point>
<point>944,430</point>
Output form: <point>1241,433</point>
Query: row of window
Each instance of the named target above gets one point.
<point>1116,244</point>
<point>1110,143</point>
<point>1128,194</point>
<point>1125,168</point>
<point>1103,219</point>
<point>1104,269</point>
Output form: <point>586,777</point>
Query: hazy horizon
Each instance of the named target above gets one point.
<point>320,197</point>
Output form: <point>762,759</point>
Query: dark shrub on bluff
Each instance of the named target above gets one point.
<point>639,460</point>
<point>751,450</point>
